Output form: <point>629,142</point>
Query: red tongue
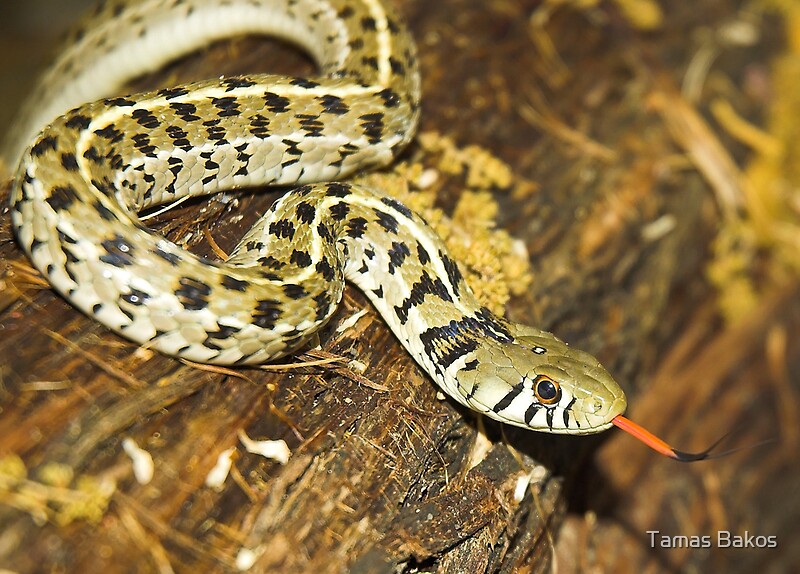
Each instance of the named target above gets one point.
<point>656,443</point>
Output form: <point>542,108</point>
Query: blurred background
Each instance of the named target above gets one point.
<point>29,33</point>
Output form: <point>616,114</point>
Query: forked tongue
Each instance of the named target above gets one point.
<point>659,445</point>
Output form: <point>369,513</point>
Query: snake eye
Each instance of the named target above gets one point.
<point>546,390</point>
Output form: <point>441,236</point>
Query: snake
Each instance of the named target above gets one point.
<point>87,170</point>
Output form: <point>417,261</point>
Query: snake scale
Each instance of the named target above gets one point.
<point>82,180</point>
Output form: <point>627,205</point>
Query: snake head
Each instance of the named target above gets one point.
<point>538,382</point>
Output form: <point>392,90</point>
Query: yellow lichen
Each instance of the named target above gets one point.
<point>734,249</point>
<point>56,474</point>
<point>88,501</point>
<point>758,250</point>
<point>12,469</point>
<point>642,14</point>
<point>51,498</point>
<point>494,264</point>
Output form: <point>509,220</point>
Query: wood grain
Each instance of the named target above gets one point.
<point>384,477</point>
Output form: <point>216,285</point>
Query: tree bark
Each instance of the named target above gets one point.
<point>383,476</point>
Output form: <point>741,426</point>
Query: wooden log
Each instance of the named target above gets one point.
<point>383,476</point>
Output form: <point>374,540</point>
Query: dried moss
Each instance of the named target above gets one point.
<point>51,498</point>
<point>757,251</point>
<point>495,264</point>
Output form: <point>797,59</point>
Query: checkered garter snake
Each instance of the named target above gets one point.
<point>83,178</point>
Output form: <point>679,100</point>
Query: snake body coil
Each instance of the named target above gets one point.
<point>83,179</point>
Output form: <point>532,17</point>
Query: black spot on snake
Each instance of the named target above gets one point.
<point>145,118</point>
<point>78,122</point>
<point>237,82</point>
<point>93,155</point>
<point>142,143</point>
<point>291,149</point>
<point>373,126</point>
<point>185,111</point>
<point>234,284</point>
<point>324,268</point>
<point>335,189</point>
<point>259,126</point>
<point>445,345</point>
<point>227,106</point>
<point>193,293</point>
<point>339,210</point>
<point>293,291</point>
<point>333,105</point>
<point>397,206</point>
<point>397,66</point>
<point>368,23</point>
<point>397,254</point>
<point>266,313</point>
<point>422,255</point>
<point>223,332</point>
<point>453,273</point>
<point>271,262</point>
<point>118,252</point>
<point>71,258</point>
<point>386,220</point>
<point>356,227</point>
<point>61,197</point>
<point>424,286</point>
<point>283,229</point>
<point>300,258</point>
<point>45,144</point>
<point>275,103</point>
<point>110,133</point>
<point>305,212</point>
<point>311,125</point>
<point>323,304</point>
<point>135,297</point>
<point>69,162</point>
<point>217,134</point>
<point>172,93</point>
<point>325,233</point>
<point>304,83</point>
<point>172,258</point>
